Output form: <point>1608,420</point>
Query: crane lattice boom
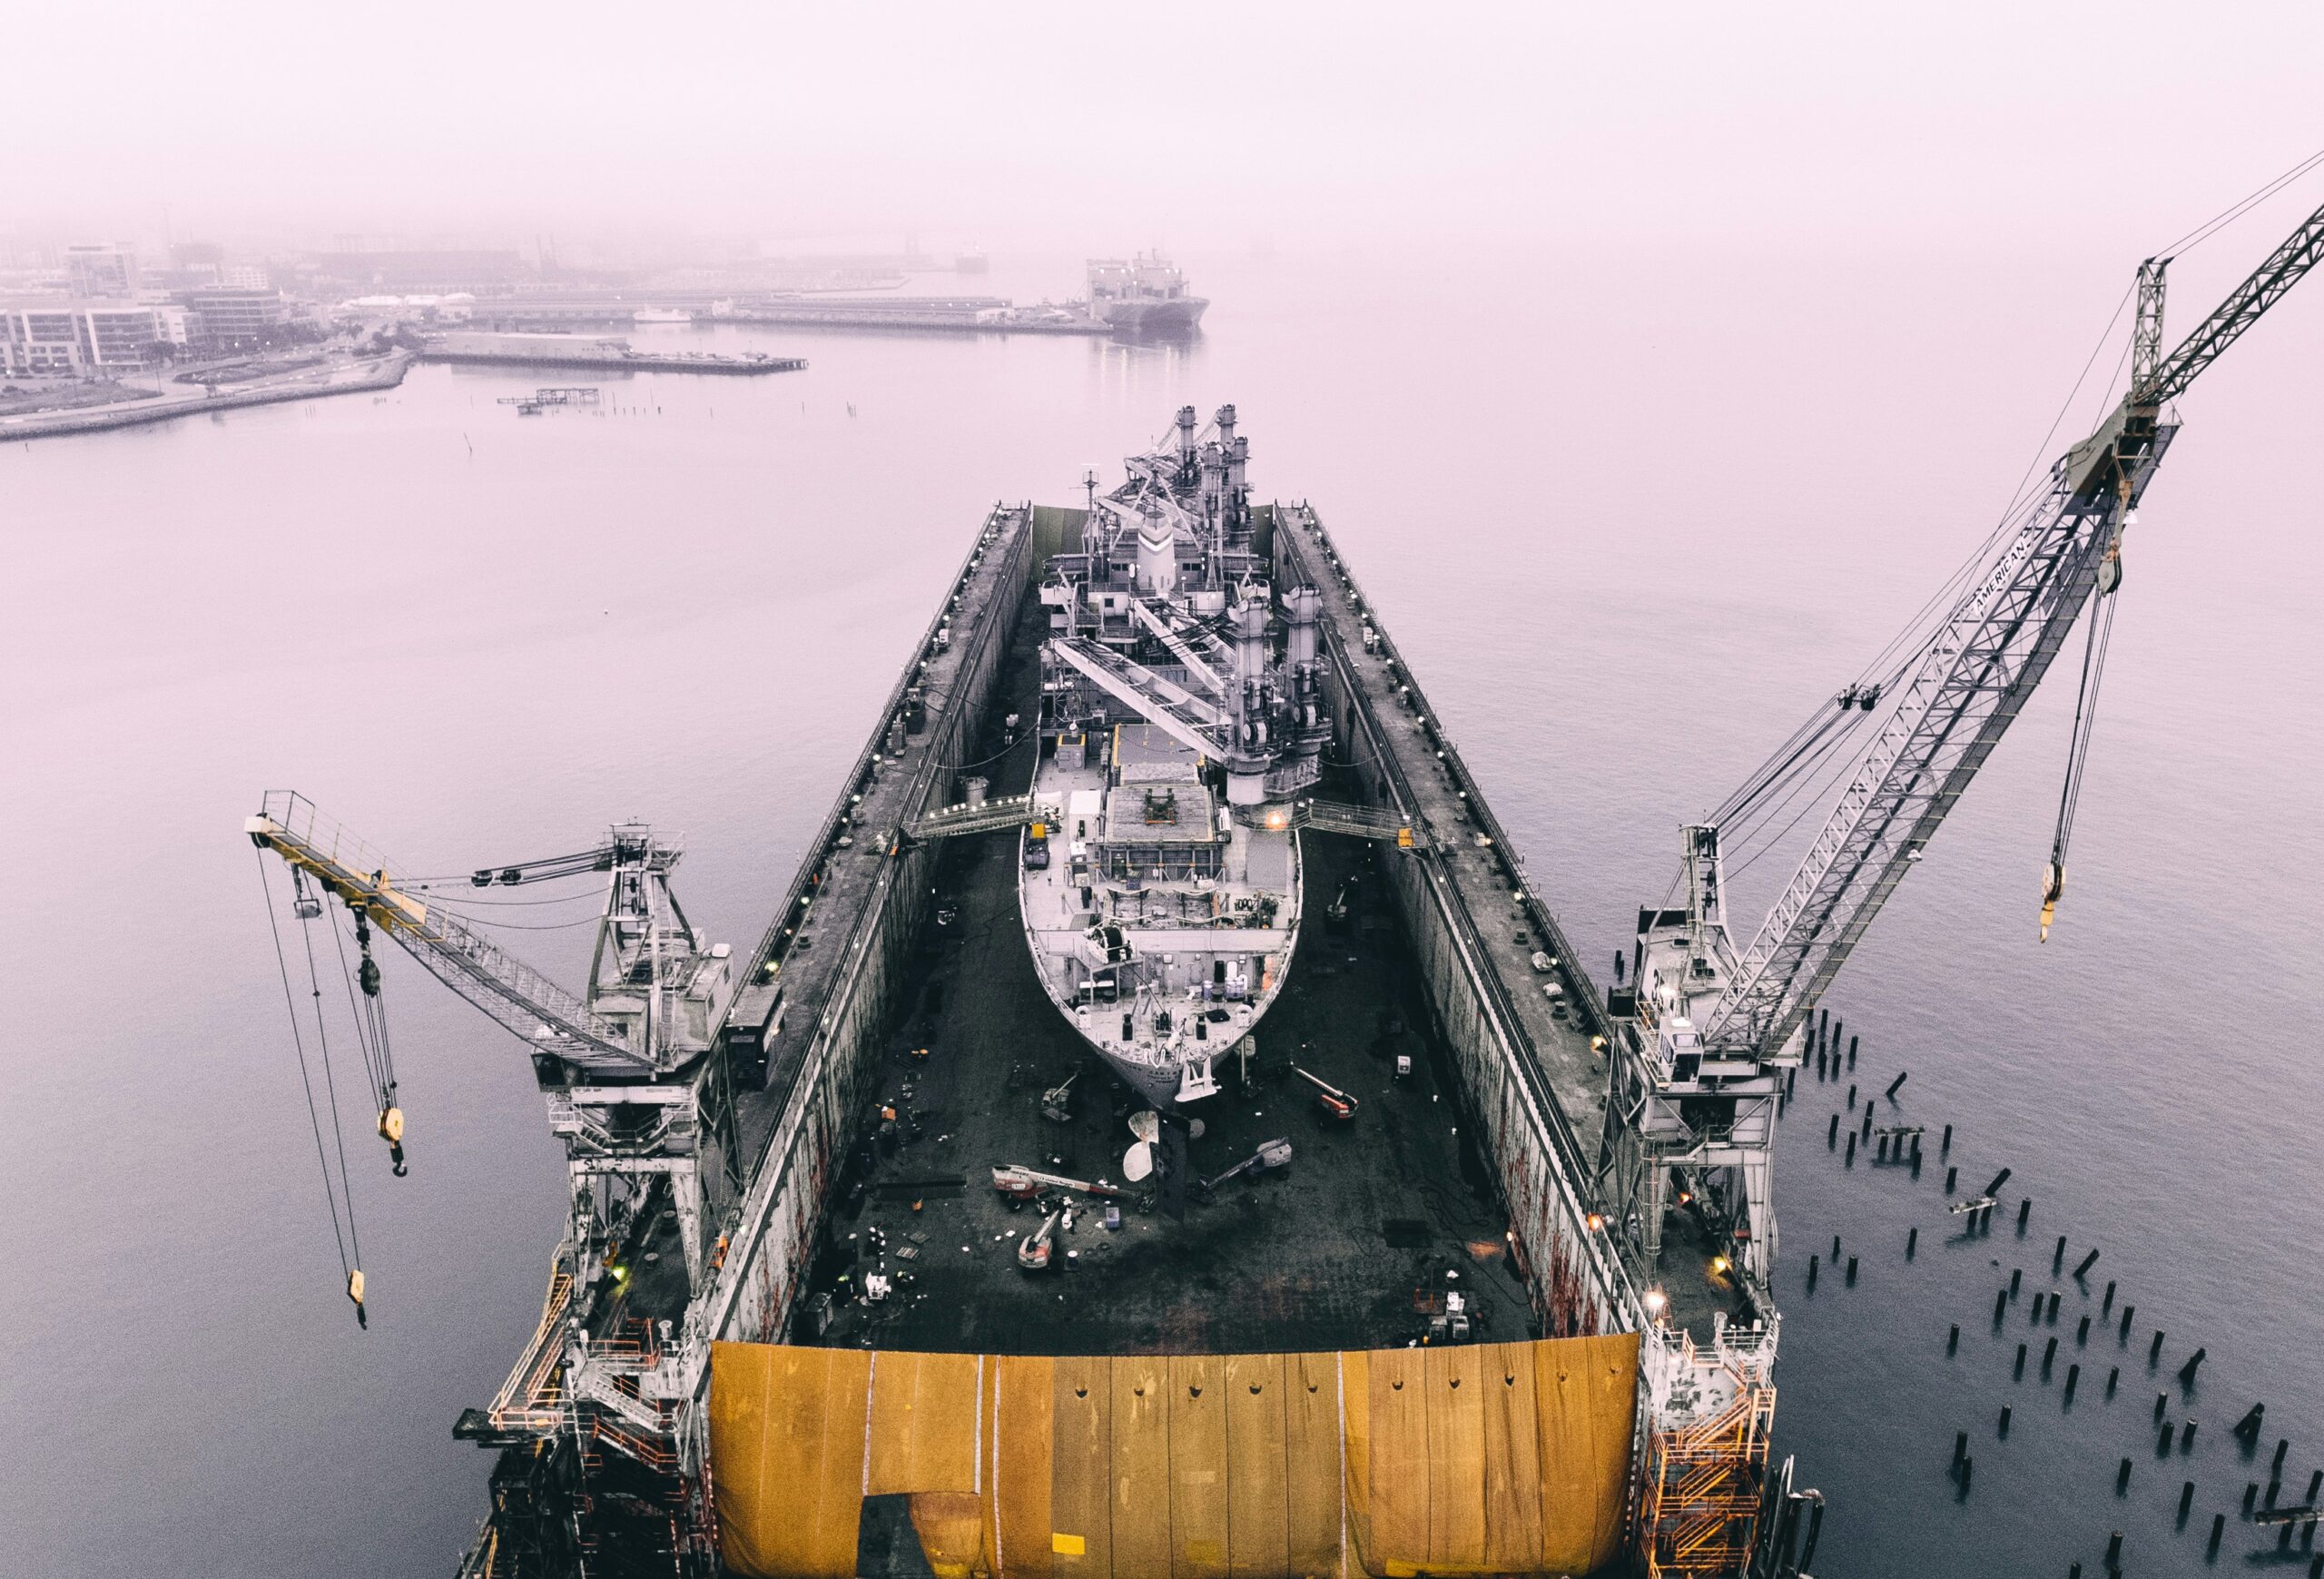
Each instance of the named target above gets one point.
<point>1975,676</point>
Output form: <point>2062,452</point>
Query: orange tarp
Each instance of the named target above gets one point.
<point>1485,1459</point>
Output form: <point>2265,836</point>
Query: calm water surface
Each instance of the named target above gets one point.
<point>1633,519</point>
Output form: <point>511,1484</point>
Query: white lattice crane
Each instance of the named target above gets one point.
<point>1715,1026</point>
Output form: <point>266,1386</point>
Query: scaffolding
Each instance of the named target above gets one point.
<point>1710,1414</point>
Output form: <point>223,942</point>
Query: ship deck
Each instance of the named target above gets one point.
<point>1374,1218</point>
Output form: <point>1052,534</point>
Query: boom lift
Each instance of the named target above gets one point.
<point>623,1065</point>
<point>1709,1030</point>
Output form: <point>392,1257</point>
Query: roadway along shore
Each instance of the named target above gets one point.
<point>342,378</point>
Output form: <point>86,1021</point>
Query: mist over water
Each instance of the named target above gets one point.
<point>1633,515</point>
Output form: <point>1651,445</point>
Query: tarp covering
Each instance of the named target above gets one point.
<point>1480,1459</point>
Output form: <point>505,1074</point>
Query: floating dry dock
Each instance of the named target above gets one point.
<point>792,1332</point>
<point>594,353</point>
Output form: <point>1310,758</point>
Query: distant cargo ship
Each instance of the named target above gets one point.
<point>1144,293</point>
<point>662,315</point>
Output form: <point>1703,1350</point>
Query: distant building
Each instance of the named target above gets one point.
<point>234,318</point>
<point>85,339</point>
<point>429,272</point>
<point>101,269</point>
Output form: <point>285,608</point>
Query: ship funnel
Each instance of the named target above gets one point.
<point>1157,558</point>
<point>1225,425</point>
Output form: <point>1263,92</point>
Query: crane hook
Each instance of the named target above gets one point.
<point>392,1131</point>
<point>355,1292</point>
<point>2053,888</point>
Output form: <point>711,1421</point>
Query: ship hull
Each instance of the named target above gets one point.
<point>1153,976</point>
<point>1177,316</point>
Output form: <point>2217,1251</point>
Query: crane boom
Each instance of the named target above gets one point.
<point>1993,650</point>
<point>548,1016</point>
<point>2300,252</point>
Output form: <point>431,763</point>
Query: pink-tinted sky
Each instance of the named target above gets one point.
<point>1192,124</point>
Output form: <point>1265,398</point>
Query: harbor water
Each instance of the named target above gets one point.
<point>1631,520</point>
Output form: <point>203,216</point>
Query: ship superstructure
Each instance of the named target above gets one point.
<point>1160,880</point>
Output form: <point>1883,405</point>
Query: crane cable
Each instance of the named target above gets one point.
<point>369,1012</point>
<point>2096,639</point>
<point>351,1268</point>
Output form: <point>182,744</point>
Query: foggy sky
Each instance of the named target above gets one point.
<point>1192,126</point>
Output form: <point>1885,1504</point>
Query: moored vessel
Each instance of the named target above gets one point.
<point>1160,881</point>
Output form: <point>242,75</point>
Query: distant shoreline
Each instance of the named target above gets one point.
<point>385,374</point>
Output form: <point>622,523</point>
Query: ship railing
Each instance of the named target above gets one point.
<point>532,1399</point>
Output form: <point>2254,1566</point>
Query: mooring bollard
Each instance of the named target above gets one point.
<point>2088,1261</point>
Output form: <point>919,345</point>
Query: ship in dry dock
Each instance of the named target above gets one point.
<point>1160,882</point>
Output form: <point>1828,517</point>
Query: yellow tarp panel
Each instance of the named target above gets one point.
<point>1400,1488</point>
<point>1586,1391</point>
<point>1486,1459</point>
<point>1312,1499</point>
<point>1023,1419</point>
<point>1081,1483</point>
<point>1456,1459</point>
<point>1198,1467</point>
<point>1257,1466</point>
<point>1355,1478</point>
<point>790,1472</point>
<point>1512,1461</point>
<point>924,1423</point>
<point>1141,1464</point>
